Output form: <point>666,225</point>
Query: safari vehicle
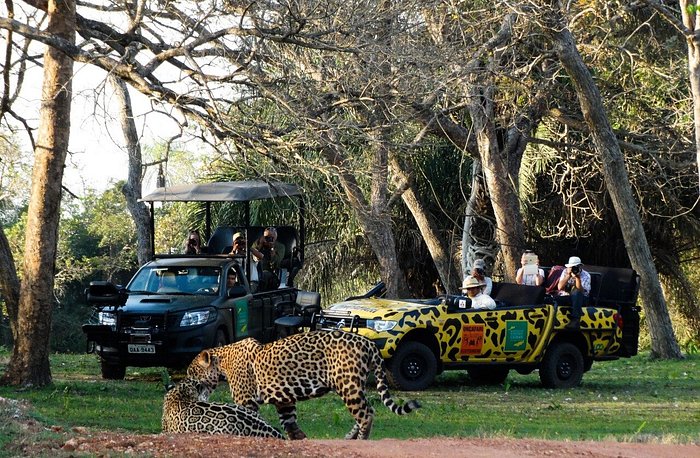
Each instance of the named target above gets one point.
<point>421,338</point>
<point>177,305</point>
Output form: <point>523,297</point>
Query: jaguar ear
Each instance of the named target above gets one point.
<point>204,359</point>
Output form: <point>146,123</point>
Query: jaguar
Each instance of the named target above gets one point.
<point>300,367</point>
<point>186,410</point>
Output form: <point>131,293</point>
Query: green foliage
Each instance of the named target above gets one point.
<point>15,173</point>
<point>96,236</point>
<point>633,399</point>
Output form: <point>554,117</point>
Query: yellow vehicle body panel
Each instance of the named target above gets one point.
<point>512,335</point>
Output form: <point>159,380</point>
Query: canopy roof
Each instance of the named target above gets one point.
<point>231,191</point>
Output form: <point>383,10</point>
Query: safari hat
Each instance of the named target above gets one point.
<point>238,235</point>
<point>479,264</point>
<point>573,261</point>
<point>471,282</point>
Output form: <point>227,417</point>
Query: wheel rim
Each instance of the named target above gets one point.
<point>565,368</point>
<point>413,367</point>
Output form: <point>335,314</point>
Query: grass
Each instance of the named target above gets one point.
<point>626,400</point>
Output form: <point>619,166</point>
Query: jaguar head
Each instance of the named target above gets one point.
<point>205,369</point>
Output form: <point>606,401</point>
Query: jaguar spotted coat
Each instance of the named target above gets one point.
<point>184,411</point>
<point>300,367</point>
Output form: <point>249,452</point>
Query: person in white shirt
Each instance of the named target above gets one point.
<point>473,286</point>
<point>479,272</point>
<point>530,272</point>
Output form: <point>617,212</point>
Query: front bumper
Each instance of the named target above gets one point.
<point>170,348</point>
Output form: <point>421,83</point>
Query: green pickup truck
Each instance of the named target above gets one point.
<point>421,338</point>
<point>177,305</point>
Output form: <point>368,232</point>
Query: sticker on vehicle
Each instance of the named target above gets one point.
<point>241,318</point>
<point>472,339</point>
<point>516,335</point>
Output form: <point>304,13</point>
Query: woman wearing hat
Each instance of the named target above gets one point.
<point>473,287</point>
<point>575,284</point>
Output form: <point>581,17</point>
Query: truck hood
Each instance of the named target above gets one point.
<point>161,303</point>
<point>379,308</point>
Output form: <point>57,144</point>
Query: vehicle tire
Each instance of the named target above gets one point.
<point>562,366</point>
<point>221,339</point>
<point>113,371</point>
<point>488,375</point>
<point>412,368</point>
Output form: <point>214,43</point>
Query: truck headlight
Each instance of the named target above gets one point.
<point>194,318</point>
<point>381,325</point>
<point>108,319</point>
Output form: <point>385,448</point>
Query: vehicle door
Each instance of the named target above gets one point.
<point>511,334</point>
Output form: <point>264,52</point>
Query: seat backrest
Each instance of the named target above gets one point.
<point>309,302</point>
<point>457,303</point>
<point>618,285</point>
<point>596,284</point>
<point>512,294</point>
<point>222,239</point>
<point>288,236</point>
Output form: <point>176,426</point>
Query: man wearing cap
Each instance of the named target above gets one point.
<point>479,272</point>
<point>269,253</point>
<point>575,285</point>
<point>473,286</point>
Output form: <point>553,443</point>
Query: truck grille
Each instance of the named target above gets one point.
<point>142,321</point>
<point>334,322</point>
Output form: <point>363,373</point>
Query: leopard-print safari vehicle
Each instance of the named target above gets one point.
<point>526,331</point>
<point>177,305</point>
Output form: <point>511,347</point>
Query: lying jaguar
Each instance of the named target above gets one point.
<point>300,367</point>
<point>185,412</point>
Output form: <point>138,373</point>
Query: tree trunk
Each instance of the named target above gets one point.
<point>132,189</point>
<point>439,253</point>
<point>9,283</point>
<point>29,364</point>
<point>691,34</point>
<point>374,220</point>
<point>478,240</point>
<point>502,184</point>
<point>663,340</point>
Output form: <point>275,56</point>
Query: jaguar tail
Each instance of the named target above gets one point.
<point>383,389</point>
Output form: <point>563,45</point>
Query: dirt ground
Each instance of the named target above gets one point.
<point>197,445</point>
<point>84,442</point>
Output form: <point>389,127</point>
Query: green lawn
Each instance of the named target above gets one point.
<point>627,400</point>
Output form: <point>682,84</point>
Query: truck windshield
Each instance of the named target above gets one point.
<point>177,280</point>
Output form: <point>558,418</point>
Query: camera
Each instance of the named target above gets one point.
<point>192,242</point>
<point>575,270</point>
<point>480,271</point>
<point>269,239</point>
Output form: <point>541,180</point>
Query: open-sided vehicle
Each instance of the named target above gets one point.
<point>421,338</point>
<point>177,305</point>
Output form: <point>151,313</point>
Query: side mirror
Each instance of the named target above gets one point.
<point>236,291</point>
<point>103,293</point>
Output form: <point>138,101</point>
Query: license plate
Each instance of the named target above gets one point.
<point>133,348</point>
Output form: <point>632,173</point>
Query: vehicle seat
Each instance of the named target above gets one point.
<point>299,312</point>
<point>513,294</point>
<point>457,303</point>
